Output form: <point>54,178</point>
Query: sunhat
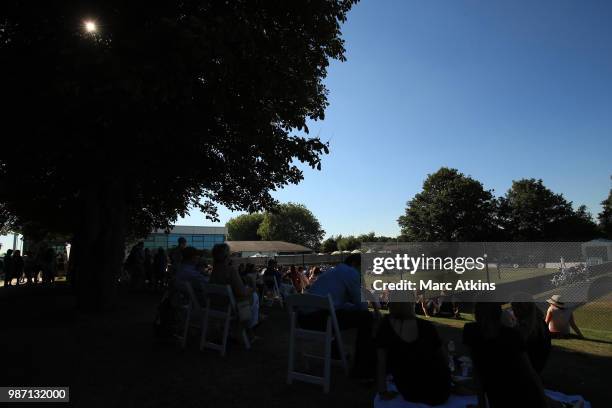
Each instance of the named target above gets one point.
<point>556,301</point>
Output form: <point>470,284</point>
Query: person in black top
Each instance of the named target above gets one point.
<point>18,265</point>
<point>502,368</point>
<point>534,332</point>
<point>410,350</point>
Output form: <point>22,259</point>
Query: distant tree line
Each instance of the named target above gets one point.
<point>450,207</point>
<point>456,207</point>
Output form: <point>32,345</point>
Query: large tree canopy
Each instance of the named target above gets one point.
<point>451,207</point>
<point>292,223</point>
<point>531,212</point>
<point>605,216</point>
<point>166,106</point>
<point>329,245</point>
<point>244,227</point>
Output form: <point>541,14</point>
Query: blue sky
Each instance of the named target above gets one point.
<point>500,90</point>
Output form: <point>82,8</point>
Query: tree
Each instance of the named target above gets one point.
<point>244,227</point>
<point>531,212</point>
<point>292,223</point>
<point>348,243</point>
<point>372,237</point>
<point>329,245</point>
<point>113,133</point>
<point>451,207</point>
<point>605,217</point>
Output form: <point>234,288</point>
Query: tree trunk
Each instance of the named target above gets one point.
<point>98,247</point>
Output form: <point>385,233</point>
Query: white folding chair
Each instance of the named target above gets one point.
<point>221,306</point>
<point>276,293</point>
<point>194,312</point>
<point>331,332</point>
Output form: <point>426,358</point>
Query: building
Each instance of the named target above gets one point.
<point>198,237</point>
<point>597,251</point>
<point>247,249</point>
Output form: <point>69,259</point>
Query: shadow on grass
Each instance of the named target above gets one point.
<point>113,360</point>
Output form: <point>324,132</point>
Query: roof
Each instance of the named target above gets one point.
<point>195,230</point>
<point>266,246</point>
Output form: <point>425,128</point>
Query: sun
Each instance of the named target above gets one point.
<point>90,26</point>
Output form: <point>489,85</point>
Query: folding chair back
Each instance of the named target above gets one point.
<point>311,303</point>
<point>193,311</point>
<point>220,306</point>
<point>273,283</point>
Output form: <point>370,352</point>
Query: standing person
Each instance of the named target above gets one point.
<point>501,363</point>
<point>343,283</point>
<point>176,256</point>
<point>160,263</point>
<point>8,268</point>
<point>135,265</point>
<point>30,268</point>
<point>18,265</point>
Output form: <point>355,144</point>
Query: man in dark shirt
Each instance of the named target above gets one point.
<point>343,283</point>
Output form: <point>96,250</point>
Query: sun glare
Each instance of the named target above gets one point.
<point>90,26</point>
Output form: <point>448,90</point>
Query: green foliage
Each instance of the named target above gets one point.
<point>372,237</point>
<point>531,212</point>
<point>451,207</point>
<point>244,227</point>
<point>329,245</point>
<point>605,217</point>
<point>348,243</point>
<point>292,223</point>
<point>167,107</point>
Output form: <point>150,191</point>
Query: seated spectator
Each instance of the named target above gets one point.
<point>190,273</point>
<point>534,332</point>
<point>560,318</point>
<point>429,306</point>
<point>271,273</point>
<point>314,274</point>
<point>249,276</point>
<point>223,273</point>
<point>502,369</point>
<point>297,278</point>
<point>410,350</point>
<point>343,283</point>
<point>384,299</point>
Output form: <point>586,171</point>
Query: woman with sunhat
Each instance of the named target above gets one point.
<point>560,318</point>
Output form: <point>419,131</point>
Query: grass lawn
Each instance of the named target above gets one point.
<point>113,360</point>
<point>596,342</point>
